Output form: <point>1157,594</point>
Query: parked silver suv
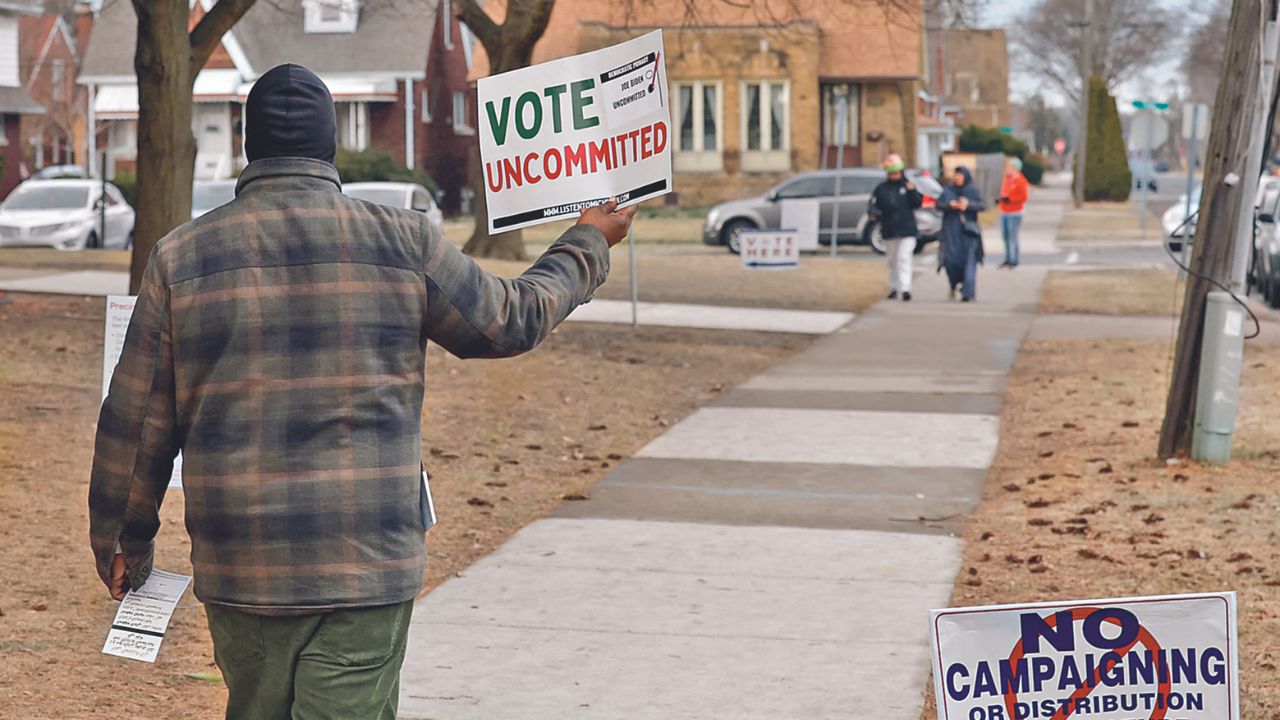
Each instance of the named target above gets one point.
<point>726,221</point>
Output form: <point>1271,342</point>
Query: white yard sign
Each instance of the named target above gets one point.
<point>564,135</point>
<point>119,311</point>
<point>1147,658</point>
<point>770,250</point>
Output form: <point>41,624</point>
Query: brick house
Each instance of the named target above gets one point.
<point>15,101</point>
<point>447,108</point>
<point>978,76</point>
<point>372,55</point>
<point>759,94</point>
<point>52,46</point>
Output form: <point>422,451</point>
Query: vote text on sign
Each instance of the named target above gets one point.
<point>770,250</point>
<point>564,135</point>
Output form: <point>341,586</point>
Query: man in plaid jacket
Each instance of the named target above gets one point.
<point>278,342</point>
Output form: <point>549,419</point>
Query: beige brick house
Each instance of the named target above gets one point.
<point>757,88</point>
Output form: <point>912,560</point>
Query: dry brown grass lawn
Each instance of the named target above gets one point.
<point>48,258</point>
<point>717,278</point>
<point>1146,291</point>
<point>1075,507</point>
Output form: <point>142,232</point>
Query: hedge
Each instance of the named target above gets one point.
<point>1033,167</point>
<point>375,164</point>
<point>1107,175</point>
<point>991,140</point>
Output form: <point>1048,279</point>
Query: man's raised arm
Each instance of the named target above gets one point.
<point>472,313</point>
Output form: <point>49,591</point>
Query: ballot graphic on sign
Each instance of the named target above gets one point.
<point>119,311</point>
<point>559,137</point>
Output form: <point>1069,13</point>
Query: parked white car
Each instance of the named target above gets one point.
<point>409,196</point>
<point>209,194</point>
<point>66,215</point>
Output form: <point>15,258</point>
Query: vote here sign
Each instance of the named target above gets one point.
<point>1148,658</point>
<point>564,135</point>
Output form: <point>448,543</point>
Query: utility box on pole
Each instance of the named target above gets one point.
<point>1218,391</point>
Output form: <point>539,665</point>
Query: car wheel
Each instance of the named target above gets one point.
<point>90,240</point>
<point>1271,289</point>
<point>128,241</point>
<point>871,236</point>
<point>731,235</point>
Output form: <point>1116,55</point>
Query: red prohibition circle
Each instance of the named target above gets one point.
<point>1163,689</point>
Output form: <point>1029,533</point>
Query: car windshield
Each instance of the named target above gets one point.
<point>207,196</point>
<point>47,197</point>
<point>393,197</point>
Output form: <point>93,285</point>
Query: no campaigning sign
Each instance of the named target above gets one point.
<point>564,135</point>
<point>1147,658</point>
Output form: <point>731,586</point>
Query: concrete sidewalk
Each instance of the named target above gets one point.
<point>773,556</point>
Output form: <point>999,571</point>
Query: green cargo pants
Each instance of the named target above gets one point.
<point>341,665</point>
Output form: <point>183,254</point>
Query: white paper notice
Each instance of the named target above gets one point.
<point>144,615</point>
<point>119,311</point>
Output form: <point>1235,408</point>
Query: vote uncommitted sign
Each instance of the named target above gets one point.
<point>1146,658</point>
<point>570,133</point>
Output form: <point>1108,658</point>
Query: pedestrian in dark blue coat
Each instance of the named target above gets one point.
<point>962,236</point>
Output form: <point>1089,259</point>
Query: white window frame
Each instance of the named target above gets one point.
<point>766,159</point>
<point>357,136</point>
<point>348,16</point>
<point>458,116</point>
<point>426,104</point>
<point>701,158</point>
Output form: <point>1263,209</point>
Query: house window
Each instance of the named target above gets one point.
<point>699,127</point>
<point>426,105</point>
<point>766,125</point>
<point>332,16</point>
<point>57,78</point>
<point>353,125</point>
<point>460,124</point>
<point>840,100</point>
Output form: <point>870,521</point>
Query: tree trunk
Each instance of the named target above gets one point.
<point>509,47</point>
<point>504,246</point>
<point>166,147</point>
<point>1220,205</point>
<point>166,62</point>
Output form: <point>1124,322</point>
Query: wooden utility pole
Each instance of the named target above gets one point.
<point>1086,71</point>
<point>1237,114</point>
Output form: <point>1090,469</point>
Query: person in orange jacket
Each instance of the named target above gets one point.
<point>1013,196</point>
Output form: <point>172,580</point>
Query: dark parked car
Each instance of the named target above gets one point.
<point>726,221</point>
<point>1265,272</point>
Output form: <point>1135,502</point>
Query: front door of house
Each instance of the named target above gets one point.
<point>211,124</point>
<point>841,125</point>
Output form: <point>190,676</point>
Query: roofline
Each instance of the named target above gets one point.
<point>23,8</point>
<point>232,45</point>
<point>866,78</point>
<point>709,26</point>
<point>376,76</point>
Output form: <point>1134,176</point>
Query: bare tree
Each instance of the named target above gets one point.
<point>1125,36</point>
<point>509,46</point>
<point>1206,44</point>
<point>166,62</point>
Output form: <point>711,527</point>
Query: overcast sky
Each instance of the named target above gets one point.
<point>1153,83</point>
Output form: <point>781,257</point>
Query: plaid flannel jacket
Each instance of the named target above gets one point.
<point>279,342</point>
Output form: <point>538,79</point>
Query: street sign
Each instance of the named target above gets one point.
<point>1199,111</point>
<point>1147,130</point>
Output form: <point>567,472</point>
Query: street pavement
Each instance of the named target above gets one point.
<point>774,555</point>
